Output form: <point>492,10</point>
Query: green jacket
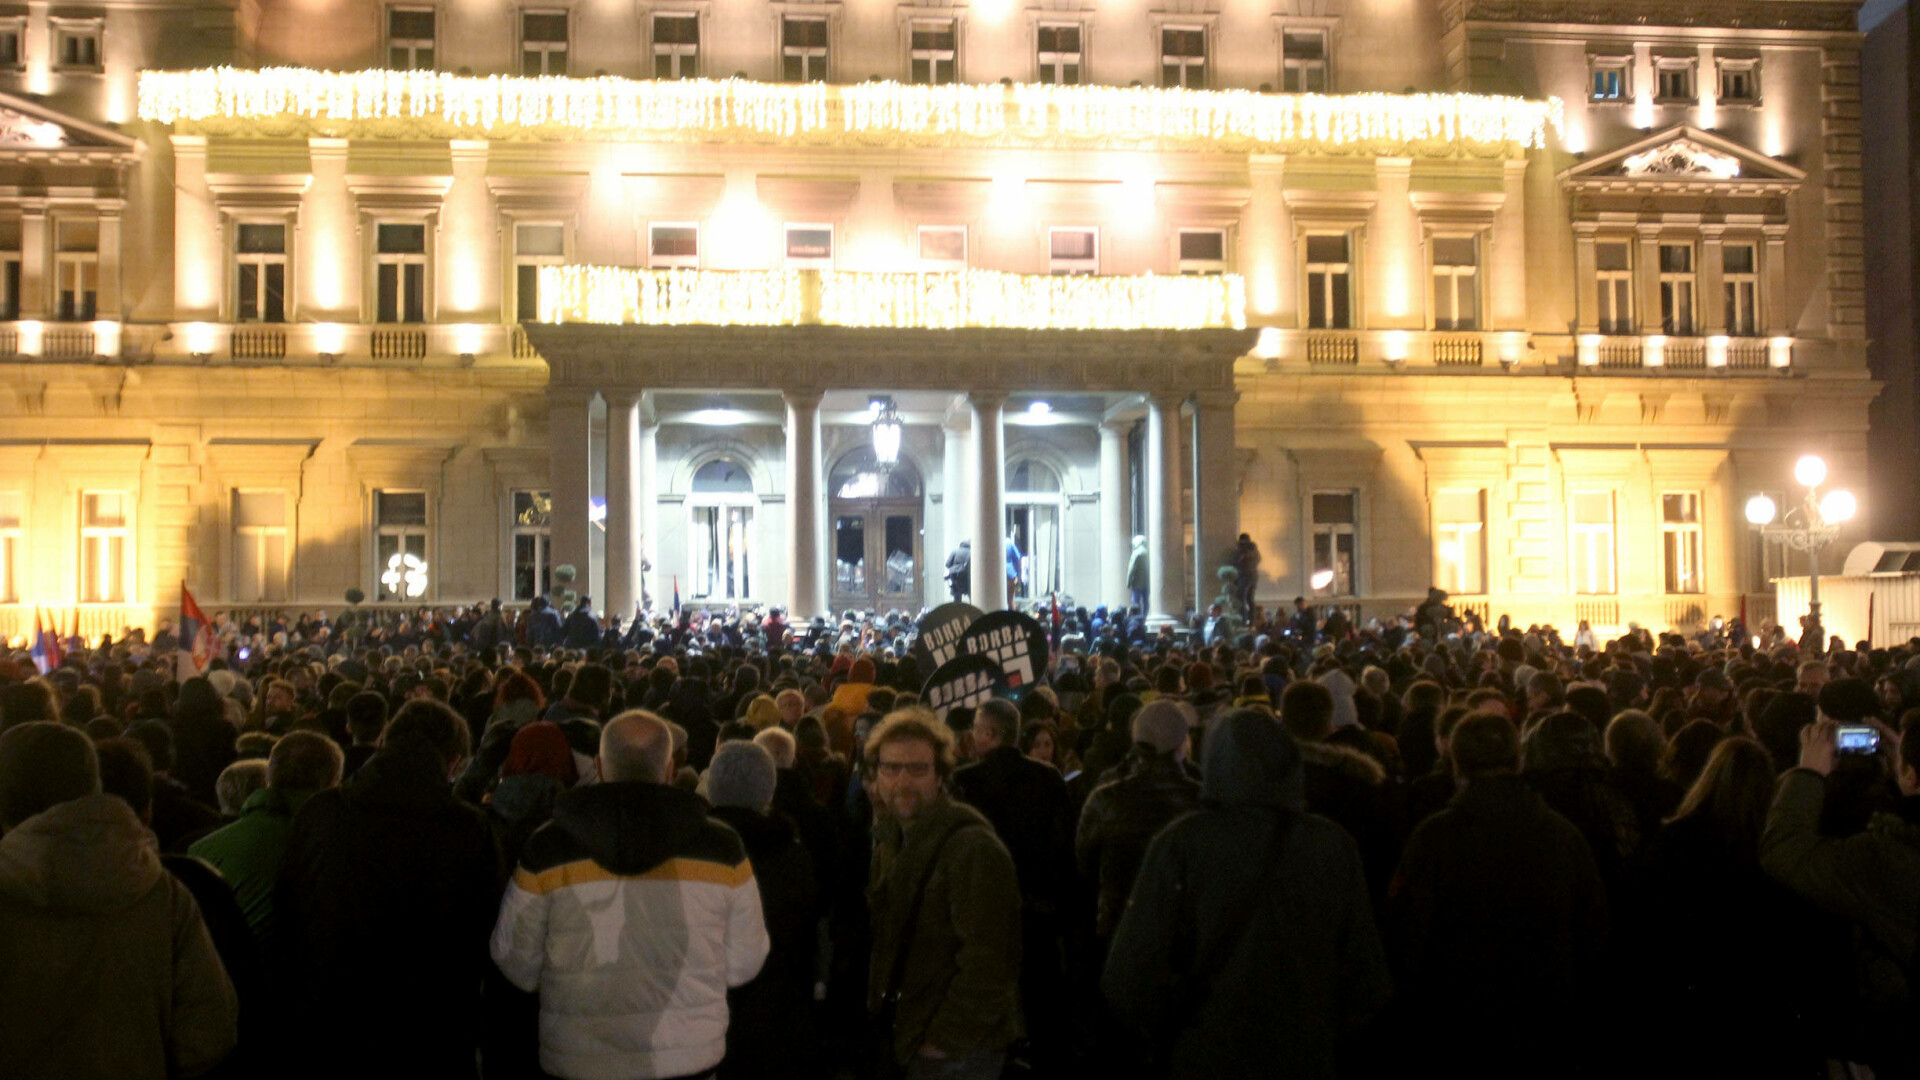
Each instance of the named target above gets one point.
<point>960,990</point>
<point>247,853</point>
<point>1871,877</point>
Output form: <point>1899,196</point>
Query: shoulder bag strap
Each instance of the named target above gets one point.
<point>899,972</point>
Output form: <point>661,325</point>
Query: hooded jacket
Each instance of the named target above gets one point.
<point>1308,967</point>
<point>106,968</point>
<point>248,852</point>
<point>632,912</point>
<point>1121,817</point>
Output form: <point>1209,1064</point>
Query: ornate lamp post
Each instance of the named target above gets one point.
<point>1812,525</point>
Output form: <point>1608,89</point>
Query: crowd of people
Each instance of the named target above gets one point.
<point>476,843</point>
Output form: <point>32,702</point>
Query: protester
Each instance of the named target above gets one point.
<point>249,852</point>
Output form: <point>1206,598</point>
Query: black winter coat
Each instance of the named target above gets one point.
<point>386,899</point>
<point>1027,803</point>
<point>1350,789</point>
<point>1307,968</point>
<point>1121,818</point>
<point>770,1029</point>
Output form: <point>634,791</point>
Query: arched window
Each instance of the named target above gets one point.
<point>720,536</point>
<point>1034,520</point>
<point>859,476</point>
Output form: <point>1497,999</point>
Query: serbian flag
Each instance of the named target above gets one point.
<point>196,637</point>
<point>676,596</point>
<point>47,650</point>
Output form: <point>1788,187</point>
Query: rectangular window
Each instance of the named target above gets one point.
<point>76,43</point>
<point>260,547</point>
<point>534,246</point>
<point>260,273</point>
<point>77,271</point>
<point>1610,79</point>
<point>400,257</point>
<point>1335,540</point>
<point>1739,82</point>
<point>1460,541</point>
<point>1203,251</point>
<point>1060,59</point>
<point>1613,265</point>
<point>1741,280</point>
<point>105,546</point>
<point>12,506</point>
<point>12,33</point>
<point>673,246</point>
<point>1676,289</point>
<point>1674,80</point>
<point>1680,538</point>
<point>935,47</point>
<point>543,43</point>
<point>1073,251</point>
<point>676,46</point>
<point>1303,61</point>
<point>1591,560</point>
<point>810,246</point>
<point>532,544</point>
<point>400,545</point>
<point>410,39</point>
<point>720,541</point>
<point>1329,282</point>
<point>1183,57</point>
<point>803,49</point>
<point>1456,283</point>
<point>943,247</point>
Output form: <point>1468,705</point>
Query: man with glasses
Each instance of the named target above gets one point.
<point>945,912</point>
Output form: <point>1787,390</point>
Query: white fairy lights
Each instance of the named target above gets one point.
<point>973,299</point>
<point>436,104</point>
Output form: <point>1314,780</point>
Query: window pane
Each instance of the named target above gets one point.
<point>1342,304</point>
<point>1304,46</point>
<point>253,509</point>
<point>263,239</point>
<point>1073,243</point>
<point>249,292</point>
<point>544,27</point>
<point>900,570</point>
<point>540,240</point>
<point>388,287</point>
<point>1333,508</point>
<point>401,507</point>
<point>1457,507</point>
<point>1327,249</point>
<point>943,245</point>
<point>276,294</point>
<point>402,23</point>
<point>676,30</point>
<point>809,243</point>
<point>1610,256</point>
<point>804,33</point>
<point>721,476</point>
<point>1680,509</point>
<point>526,290</point>
<point>676,241</point>
<point>1060,39</point>
<point>403,240</point>
<point>1676,259</point>
<point>1455,251</point>
<point>1209,245</point>
<point>1592,508</point>
<point>1737,258</point>
<point>850,554</point>
<point>105,509</point>
<point>933,35</point>
<point>532,509</point>
<point>416,306</point>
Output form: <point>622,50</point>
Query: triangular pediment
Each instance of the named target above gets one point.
<point>28,126</point>
<point>1683,157</point>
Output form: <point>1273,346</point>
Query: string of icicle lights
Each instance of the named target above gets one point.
<point>605,108</point>
<point>963,299</point>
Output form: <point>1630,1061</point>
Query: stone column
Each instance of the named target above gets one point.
<point>990,508</point>
<point>1166,580</point>
<point>805,597</point>
<point>953,476</point>
<point>1116,540</point>
<point>1216,495</point>
<point>623,525</point>
<point>197,247</point>
<point>569,479</point>
<point>1505,297</point>
<point>645,489</point>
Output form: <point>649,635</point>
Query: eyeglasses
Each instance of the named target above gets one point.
<point>915,769</point>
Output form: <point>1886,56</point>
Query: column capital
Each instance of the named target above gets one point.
<point>1649,231</point>
<point>1167,399</point>
<point>987,399</point>
<point>570,395</point>
<point>802,399</point>
<point>622,397</point>
<point>1215,399</point>
<point>1115,427</point>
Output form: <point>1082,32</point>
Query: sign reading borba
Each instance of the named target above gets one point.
<point>964,681</point>
<point>1014,641</point>
<point>938,640</point>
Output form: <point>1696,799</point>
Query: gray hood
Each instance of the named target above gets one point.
<point>86,856</point>
<point>1252,761</point>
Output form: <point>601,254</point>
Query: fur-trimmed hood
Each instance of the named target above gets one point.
<point>1350,763</point>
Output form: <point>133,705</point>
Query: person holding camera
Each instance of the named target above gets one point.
<point>1871,877</point>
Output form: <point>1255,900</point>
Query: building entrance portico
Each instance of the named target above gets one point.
<point>799,510</point>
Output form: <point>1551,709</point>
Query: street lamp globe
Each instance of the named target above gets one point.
<point>1761,510</point>
<point>1837,506</point>
<point>1810,471</point>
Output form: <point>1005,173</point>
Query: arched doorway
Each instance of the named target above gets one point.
<point>1034,521</point>
<point>720,537</point>
<point>875,515</point>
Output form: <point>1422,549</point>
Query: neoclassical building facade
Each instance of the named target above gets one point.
<point>772,301</point>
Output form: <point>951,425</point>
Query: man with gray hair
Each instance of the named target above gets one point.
<point>1121,816</point>
<point>771,1030</point>
<point>632,912</point>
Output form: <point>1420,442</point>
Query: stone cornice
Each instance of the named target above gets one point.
<point>1822,16</point>
<point>804,357</point>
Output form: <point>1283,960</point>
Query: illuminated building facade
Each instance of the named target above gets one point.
<point>1519,299</point>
